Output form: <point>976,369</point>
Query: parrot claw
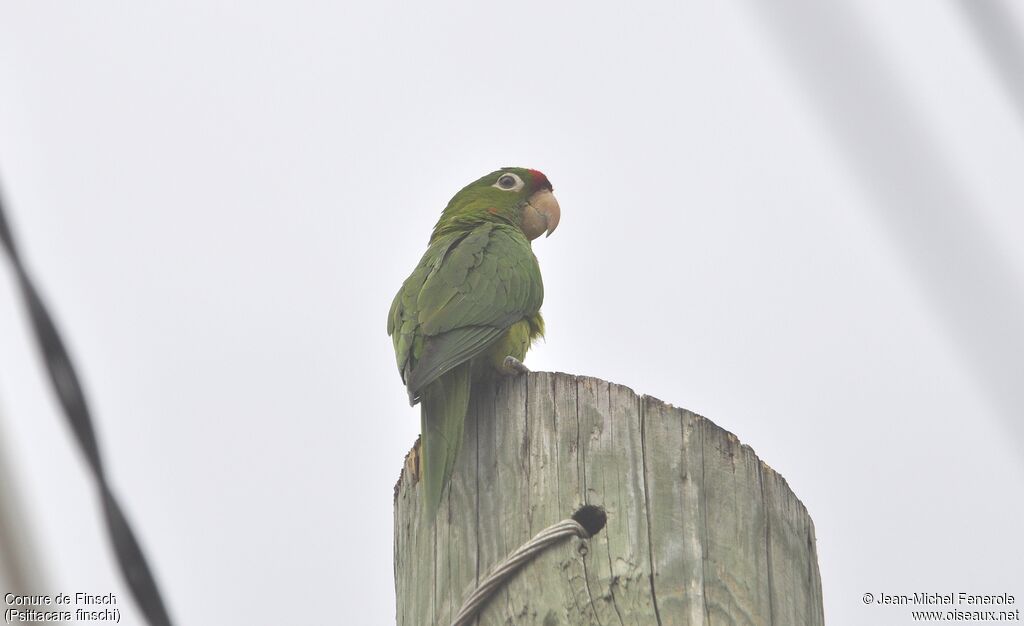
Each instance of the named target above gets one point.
<point>515,366</point>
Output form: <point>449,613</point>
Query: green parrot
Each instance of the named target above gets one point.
<point>471,308</point>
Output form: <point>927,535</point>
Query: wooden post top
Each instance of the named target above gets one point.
<point>699,530</point>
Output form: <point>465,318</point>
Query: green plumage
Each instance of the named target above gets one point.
<point>473,299</point>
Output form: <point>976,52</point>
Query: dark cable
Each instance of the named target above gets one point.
<point>72,399</point>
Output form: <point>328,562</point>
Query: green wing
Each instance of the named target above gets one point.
<point>466,291</point>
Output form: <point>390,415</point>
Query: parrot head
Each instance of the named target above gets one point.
<point>512,195</point>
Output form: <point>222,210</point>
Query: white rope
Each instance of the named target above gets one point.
<point>523,554</point>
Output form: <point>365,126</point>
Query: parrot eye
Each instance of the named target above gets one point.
<point>509,182</point>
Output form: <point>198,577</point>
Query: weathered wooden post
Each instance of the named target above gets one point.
<point>699,530</point>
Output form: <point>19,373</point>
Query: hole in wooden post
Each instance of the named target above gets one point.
<point>591,518</point>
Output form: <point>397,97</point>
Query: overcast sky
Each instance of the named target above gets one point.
<point>804,224</point>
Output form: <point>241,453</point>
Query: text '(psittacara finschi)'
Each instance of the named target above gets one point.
<point>471,308</point>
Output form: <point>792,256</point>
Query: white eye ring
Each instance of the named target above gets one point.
<point>508,182</point>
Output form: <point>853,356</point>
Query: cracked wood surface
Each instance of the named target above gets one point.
<point>699,530</point>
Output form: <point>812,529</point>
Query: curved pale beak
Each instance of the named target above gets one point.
<point>541,214</point>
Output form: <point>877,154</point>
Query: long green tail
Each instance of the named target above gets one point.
<point>443,406</point>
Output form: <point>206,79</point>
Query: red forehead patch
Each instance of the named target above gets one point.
<point>540,179</point>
